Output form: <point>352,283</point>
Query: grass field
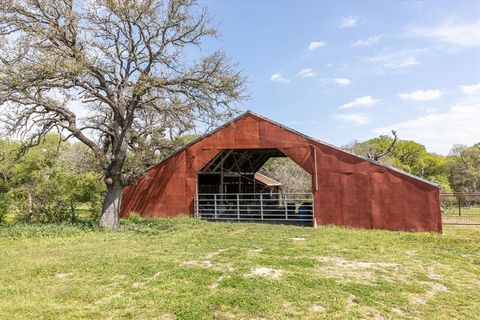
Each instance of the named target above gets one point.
<point>188,269</point>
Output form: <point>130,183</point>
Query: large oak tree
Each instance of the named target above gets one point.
<point>121,76</point>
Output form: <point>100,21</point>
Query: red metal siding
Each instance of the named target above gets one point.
<point>351,191</point>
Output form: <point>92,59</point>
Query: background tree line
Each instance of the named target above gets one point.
<point>58,181</point>
<point>459,171</point>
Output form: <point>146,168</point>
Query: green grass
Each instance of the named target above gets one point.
<point>189,269</point>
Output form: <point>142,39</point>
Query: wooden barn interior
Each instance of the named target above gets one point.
<point>231,188</point>
<point>234,170</point>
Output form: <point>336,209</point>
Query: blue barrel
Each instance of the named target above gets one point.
<point>305,211</point>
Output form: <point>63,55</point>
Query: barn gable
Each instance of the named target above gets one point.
<point>347,189</point>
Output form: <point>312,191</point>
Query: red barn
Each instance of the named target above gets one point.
<point>214,178</point>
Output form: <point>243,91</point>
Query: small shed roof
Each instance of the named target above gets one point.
<point>266,180</point>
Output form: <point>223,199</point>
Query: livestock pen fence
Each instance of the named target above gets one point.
<point>284,208</point>
<point>460,208</point>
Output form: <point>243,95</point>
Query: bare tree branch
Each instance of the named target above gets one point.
<point>389,149</point>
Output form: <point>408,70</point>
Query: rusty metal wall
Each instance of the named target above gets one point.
<point>348,190</point>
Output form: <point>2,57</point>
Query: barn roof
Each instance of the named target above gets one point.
<point>249,112</point>
<point>267,180</point>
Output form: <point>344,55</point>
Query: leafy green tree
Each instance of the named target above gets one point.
<point>376,149</point>
<point>409,156</point>
<point>464,168</point>
<point>42,186</point>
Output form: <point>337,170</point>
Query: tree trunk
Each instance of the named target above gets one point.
<point>73,216</point>
<point>111,203</point>
<point>30,207</point>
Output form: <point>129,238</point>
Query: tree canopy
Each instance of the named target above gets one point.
<point>123,77</point>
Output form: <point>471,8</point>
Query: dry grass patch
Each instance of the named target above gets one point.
<point>265,272</point>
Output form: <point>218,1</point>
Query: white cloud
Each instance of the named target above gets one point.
<point>405,62</point>
<point>278,77</point>
<point>462,35</point>
<point>438,131</point>
<point>396,60</point>
<point>348,22</point>
<point>365,101</point>
<point>316,45</point>
<point>355,118</point>
<point>421,95</point>
<point>305,73</point>
<point>342,82</point>
<point>367,42</point>
<point>471,90</point>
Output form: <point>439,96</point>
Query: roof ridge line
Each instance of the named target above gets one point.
<point>243,114</point>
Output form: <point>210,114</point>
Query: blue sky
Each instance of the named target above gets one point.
<point>340,71</point>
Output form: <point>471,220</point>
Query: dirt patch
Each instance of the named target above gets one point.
<point>287,305</point>
<point>351,301</point>
<point>62,275</point>
<point>208,265</point>
<point>152,278</point>
<point>432,274</point>
<point>369,312</point>
<point>265,272</point>
<point>373,313</point>
<point>216,283</point>
<point>317,308</point>
<point>340,262</point>
<point>435,288</point>
<point>109,299</point>
<point>218,314</point>
<point>207,262</point>
<point>397,310</point>
<point>354,271</point>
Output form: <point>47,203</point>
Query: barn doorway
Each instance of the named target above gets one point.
<point>239,185</point>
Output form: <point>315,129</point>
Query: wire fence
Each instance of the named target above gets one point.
<point>460,208</point>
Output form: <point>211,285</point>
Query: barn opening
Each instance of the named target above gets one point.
<point>236,185</point>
